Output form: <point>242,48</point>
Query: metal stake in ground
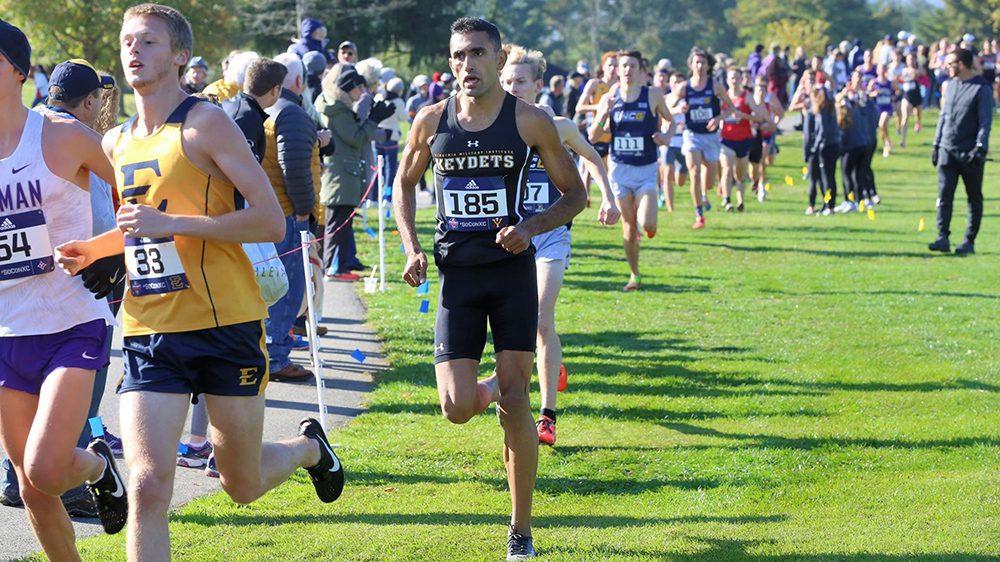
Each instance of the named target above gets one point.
<point>311,328</point>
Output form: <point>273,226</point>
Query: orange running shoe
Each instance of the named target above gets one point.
<point>546,430</point>
<point>699,222</point>
<point>562,379</point>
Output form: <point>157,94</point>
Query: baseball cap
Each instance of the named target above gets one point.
<point>77,78</point>
<point>968,38</point>
<point>348,45</point>
<point>198,61</point>
<point>446,78</point>
<point>14,47</point>
<point>421,80</point>
<point>315,62</point>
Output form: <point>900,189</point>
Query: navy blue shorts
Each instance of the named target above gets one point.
<point>602,148</point>
<point>675,158</point>
<point>503,293</point>
<point>740,147</point>
<point>26,361</point>
<point>226,361</point>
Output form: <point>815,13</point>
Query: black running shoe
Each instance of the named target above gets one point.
<point>79,503</point>
<point>519,547</point>
<point>327,476</point>
<point>109,491</point>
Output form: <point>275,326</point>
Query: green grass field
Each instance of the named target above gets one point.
<point>783,387</point>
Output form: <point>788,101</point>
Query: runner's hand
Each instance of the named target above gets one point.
<point>712,124</point>
<point>415,271</point>
<point>143,221</point>
<point>73,256</point>
<point>101,276</point>
<point>608,213</point>
<point>513,239</point>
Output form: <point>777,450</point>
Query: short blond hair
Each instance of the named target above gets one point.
<point>517,54</point>
<point>181,36</point>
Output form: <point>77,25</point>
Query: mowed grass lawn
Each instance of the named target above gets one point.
<point>783,387</point>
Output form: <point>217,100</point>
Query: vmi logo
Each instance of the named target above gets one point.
<point>248,376</point>
<point>498,221</point>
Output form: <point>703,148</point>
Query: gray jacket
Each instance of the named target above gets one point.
<point>344,175</point>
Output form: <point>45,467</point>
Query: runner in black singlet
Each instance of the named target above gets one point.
<point>482,141</point>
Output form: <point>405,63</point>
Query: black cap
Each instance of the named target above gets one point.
<point>78,78</point>
<point>14,47</point>
<point>350,79</point>
<point>348,45</point>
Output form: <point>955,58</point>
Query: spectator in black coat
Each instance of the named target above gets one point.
<point>261,89</point>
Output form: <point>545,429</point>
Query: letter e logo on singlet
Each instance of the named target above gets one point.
<point>129,189</point>
<point>248,376</point>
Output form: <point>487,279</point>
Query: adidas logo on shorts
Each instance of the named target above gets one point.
<point>7,224</point>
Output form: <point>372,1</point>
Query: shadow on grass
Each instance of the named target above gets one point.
<point>814,252</point>
<point>885,292</point>
<point>441,518</point>
<point>757,440</point>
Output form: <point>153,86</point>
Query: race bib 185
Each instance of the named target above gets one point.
<point>154,266</point>
<point>474,204</point>
<point>25,249</point>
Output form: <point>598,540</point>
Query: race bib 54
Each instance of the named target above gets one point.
<point>25,248</point>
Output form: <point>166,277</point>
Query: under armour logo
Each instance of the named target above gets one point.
<point>440,347</point>
<point>473,143</point>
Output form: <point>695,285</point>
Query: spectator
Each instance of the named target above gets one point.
<point>291,161</point>
<point>776,71</point>
<point>555,97</point>
<point>754,61</point>
<point>390,132</point>
<point>233,76</point>
<point>315,63</point>
<point>344,171</point>
<point>312,38</point>
<point>194,78</point>
<point>576,81</point>
<point>798,66</point>
<point>856,56</point>
<point>347,52</point>
<point>41,80</point>
<point>370,69</point>
<point>261,89</point>
<point>960,145</point>
<point>422,86</point>
<point>583,69</point>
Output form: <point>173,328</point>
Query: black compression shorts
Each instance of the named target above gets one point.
<point>504,293</point>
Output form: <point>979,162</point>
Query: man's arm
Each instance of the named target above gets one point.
<point>942,119</point>
<point>295,136</point>
<point>412,165</point>
<point>984,105</point>
<point>571,137</point>
<point>537,130</point>
<point>587,102</point>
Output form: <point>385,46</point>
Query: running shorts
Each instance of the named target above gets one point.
<point>225,361</point>
<point>627,179</point>
<point>676,158</point>
<point>26,361</point>
<point>738,148</point>
<point>503,294</point>
<point>705,143</point>
<point>553,245</point>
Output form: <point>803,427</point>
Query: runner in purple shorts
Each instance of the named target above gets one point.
<point>883,92</point>
<point>52,331</point>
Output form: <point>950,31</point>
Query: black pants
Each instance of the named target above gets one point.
<point>340,244</point>
<point>949,170</point>
<point>823,174</point>
<point>872,192</point>
<point>854,173</point>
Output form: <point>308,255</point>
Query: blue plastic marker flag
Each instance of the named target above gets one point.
<point>388,212</point>
<point>424,288</point>
<point>425,306</point>
<point>358,356</point>
<point>96,427</point>
<point>182,448</point>
<point>371,232</point>
<point>402,248</point>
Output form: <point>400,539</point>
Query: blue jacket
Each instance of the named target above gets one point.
<point>304,43</point>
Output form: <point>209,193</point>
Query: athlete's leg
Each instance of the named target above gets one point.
<point>904,121</point>
<point>520,453</point>
<point>248,467</point>
<point>646,211</point>
<point>667,181</point>
<point>45,512</point>
<point>741,173</point>
<point>630,231</point>
<point>728,160</point>
<point>883,130</point>
<point>550,279</point>
<point>152,423</point>
<point>694,162</point>
<point>461,395</point>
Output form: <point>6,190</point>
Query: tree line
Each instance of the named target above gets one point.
<point>409,34</point>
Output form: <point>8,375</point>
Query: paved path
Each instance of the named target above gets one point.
<point>346,384</point>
